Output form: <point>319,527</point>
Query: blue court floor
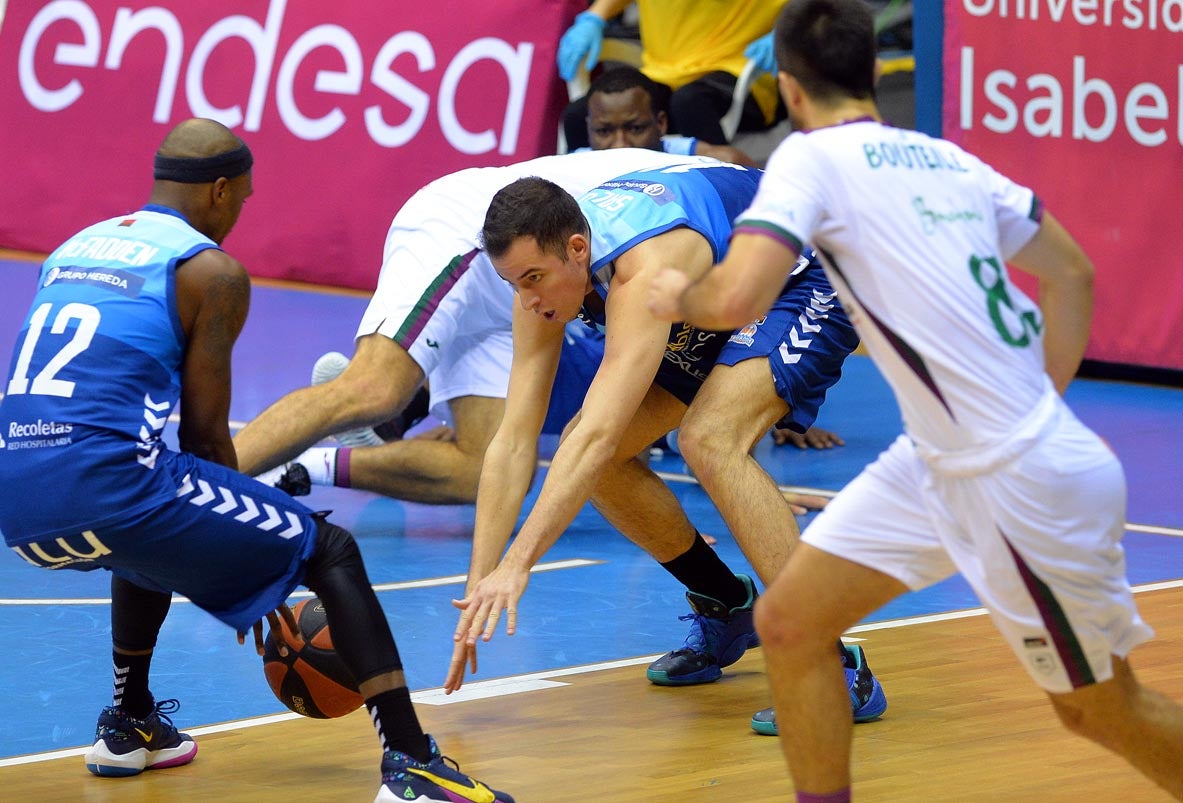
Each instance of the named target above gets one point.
<point>608,601</point>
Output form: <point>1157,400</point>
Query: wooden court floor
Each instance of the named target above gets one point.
<point>964,724</point>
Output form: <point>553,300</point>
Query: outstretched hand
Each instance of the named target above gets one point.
<point>480,612</point>
<point>273,619</point>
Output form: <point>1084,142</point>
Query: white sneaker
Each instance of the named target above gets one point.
<point>330,366</point>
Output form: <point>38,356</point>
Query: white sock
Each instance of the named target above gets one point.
<point>321,462</point>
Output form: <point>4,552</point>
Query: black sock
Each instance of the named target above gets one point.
<point>397,725</point>
<point>131,684</point>
<point>702,571</point>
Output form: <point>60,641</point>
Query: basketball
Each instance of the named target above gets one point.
<point>311,679</point>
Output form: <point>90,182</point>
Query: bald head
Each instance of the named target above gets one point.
<point>199,137</point>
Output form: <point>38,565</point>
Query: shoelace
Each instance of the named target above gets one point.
<point>698,640</point>
<point>163,708</point>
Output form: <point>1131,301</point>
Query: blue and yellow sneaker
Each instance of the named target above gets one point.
<point>438,781</point>
<point>125,745</point>
<point>867,700</point>
<point>718,638</point>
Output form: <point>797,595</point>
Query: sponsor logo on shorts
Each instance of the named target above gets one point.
<point>747,335</point>
<point>1040,655</point>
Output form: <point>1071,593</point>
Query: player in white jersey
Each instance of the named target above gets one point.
<point>995,477</point>
<point>441,314</point>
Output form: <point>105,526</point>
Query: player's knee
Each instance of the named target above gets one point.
<point>379,382</point>
<point>703,449</point>
<point>335,550</point>
<point>782,630</point>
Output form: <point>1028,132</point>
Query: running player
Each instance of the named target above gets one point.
<point>994,477</point>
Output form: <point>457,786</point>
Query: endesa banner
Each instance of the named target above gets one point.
<point>1082,100</point>
<point>348,107</point>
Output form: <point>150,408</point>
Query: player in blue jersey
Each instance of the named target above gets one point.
<point>623,111</point>
<point>132,315</point>
<point>593,259</point>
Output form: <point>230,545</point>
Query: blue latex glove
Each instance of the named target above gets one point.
<point>583,38</point>
<point>762,52</point>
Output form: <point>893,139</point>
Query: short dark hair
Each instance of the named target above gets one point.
<point>622,79</point>
<point>829,47</point>
<point>532,207</point>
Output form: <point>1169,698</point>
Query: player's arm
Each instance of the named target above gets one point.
<point>633,349</point>
<point>506,474</point>
<point>732,294</point>
<point>512,454</point>
<point>1065,276</point>
<point>213,297</point>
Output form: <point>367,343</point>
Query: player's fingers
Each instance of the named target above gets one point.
<point>289,616</point>
<point>258,632</point>
<point>465,619</point>
<point>710,539</point>
<point>491,623</point>
<point>797,510</point>
<point>511,621</point>
<point>807,501</point>
<point>476,623</point>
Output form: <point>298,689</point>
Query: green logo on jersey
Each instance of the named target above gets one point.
<point>930,218</point>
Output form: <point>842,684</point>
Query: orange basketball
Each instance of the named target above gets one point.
<point>311,679</point>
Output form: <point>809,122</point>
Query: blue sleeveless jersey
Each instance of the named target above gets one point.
<point>705,197</point>
<point>94,376</point>
<point>632,208</point>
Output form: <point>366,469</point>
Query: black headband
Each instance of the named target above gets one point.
<point>203,169</point>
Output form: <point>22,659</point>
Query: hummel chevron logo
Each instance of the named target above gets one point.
<point>251,511</point>
<point>227,502</point>
<point>207,493</point>
<point>786,357</point>
<point>158,407</point>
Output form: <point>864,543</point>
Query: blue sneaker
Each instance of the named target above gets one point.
<point>440,779</point>
<point>867,700</point>
<point>126,746</point>
<point>718,638</point>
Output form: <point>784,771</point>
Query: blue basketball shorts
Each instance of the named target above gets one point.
<point>234,546</point>
<point>583,350</point>
<point>805,337</point>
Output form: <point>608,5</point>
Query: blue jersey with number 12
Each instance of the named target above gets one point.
<point>94,376</point>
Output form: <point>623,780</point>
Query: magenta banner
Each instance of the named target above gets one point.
<point>1083,101</point>
<point>348,107</point>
